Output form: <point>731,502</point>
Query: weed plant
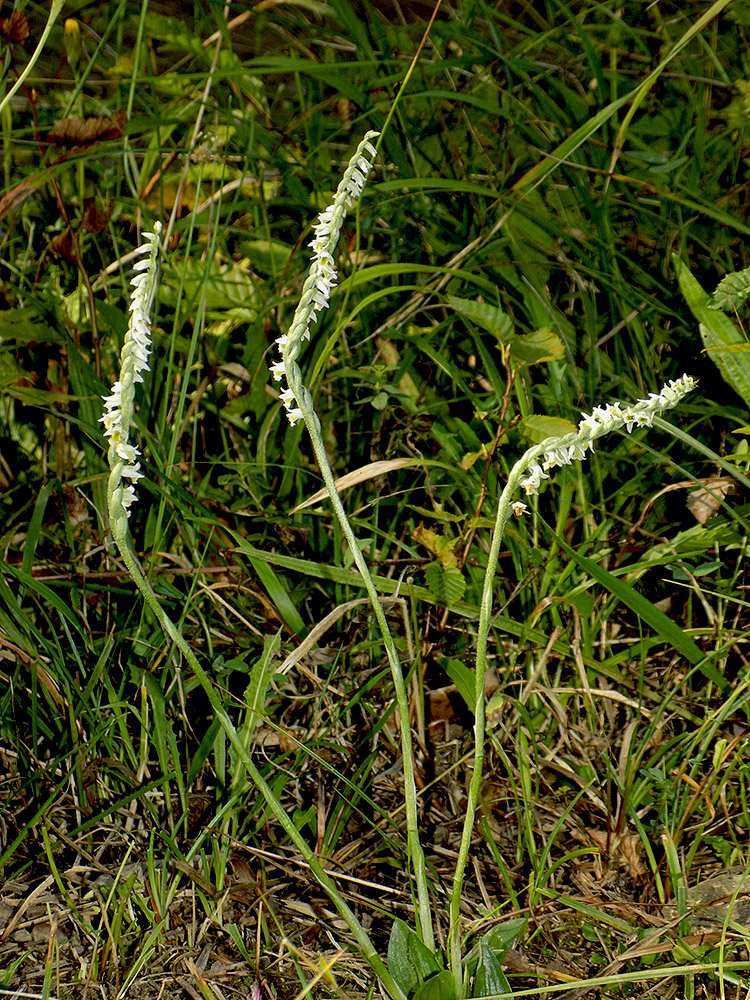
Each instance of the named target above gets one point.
<point>508,267</point>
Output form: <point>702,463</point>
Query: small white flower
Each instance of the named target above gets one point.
<point>588,423</point>
<point>519,508</point>
<point>278,370</point>
<point>534,478</point>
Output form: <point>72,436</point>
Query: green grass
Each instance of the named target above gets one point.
<point>617,770</point>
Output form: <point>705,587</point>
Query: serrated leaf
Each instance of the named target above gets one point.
<point>732,291</point>
<point>20,326</point>
<point>536,428</point>
<point>445,583</point>
<point>490,318</point>
<point>724,343</point>
<point>537,347</point>
<point>438,545</point>
<point>409,960</point>
<point>11,371</point>
<point>442,516</point>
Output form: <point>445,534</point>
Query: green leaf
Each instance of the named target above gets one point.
<point>445,582</point>
<point>21,326</point>
<point>537,347</point>
<point>499,940</point>
<point>409,960</point>
<point>201,754</point>
<point>536,428</point>
<point>267,256</point>
<point>441,516</point>
<point>11,371</point>
<point>525,349</point>
<point>490,978</point>
<point>502,936</point>
<point>439,987</point>
<point>260,678</point>
<point>725,344</point>
<point>491,318</point>
<point>228,285</point>
<point>732,291</point>
<point>278,594</point>
<point>463,677</point>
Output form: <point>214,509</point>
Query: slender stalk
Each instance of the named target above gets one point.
<point>413,843</point>
<point>528,473</point>
<point>504,512</point>
<point>315,296</point>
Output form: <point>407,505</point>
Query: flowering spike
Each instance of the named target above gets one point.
<point>603,419</point>
<point>321,277</point>
<point>118,406</point>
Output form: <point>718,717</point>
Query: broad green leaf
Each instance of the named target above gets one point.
<point>490,979</point>
<point>536,428</point>
<point>11,371</point>
<point>441,516</point>
<point>445,582</point>
<point>439,987</point>
<point>227,285</point>
<point>537,347</point>
<point>502,936</point>
<point>499,940</point>
<point>20,326</point>
<point>491,318</point>
<point>732,291</point>
<point>725,344</point>
<point>409,960</point>
<point>267,256</point>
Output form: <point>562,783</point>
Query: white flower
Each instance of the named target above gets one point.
<point>322,277</point>
<point>119,404</point>
<point>519,508</point>
<point>602,419</point>
<point>532,482</point>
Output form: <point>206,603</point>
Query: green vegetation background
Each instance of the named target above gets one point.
<point>509,266</point>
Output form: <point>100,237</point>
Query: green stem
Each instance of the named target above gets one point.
<point>121,537</point>
<point>57,6</point>
<point>475,785</point>
<point>414,845</point>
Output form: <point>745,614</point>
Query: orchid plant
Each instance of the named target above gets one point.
<point>527,475</point>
